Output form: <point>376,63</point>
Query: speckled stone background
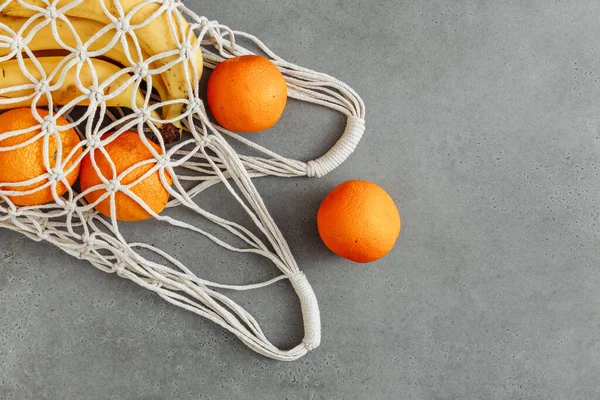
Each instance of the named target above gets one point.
<point>483,124</point>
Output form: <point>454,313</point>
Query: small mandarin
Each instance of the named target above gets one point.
<point>246,93</point>
<point>26,162</point>
<point>359,221</point>
<point>125,151</point>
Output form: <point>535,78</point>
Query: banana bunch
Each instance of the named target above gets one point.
<point>150,36</point>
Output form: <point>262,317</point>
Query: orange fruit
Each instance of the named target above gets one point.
<point>27,162</point>
<point>125,151</point>
<point>246,94</point>
<point>359,221</point>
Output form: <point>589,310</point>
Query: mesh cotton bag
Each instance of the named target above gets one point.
<point>162,45</point>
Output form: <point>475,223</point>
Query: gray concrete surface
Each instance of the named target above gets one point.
<point>484,126</point>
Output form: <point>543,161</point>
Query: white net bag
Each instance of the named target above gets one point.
<point>123,66</point>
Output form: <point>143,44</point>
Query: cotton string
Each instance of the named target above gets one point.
<point>203,158</point>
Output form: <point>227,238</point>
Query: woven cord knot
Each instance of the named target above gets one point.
<point>113,186</point>
<point>56,175</point>
<point>17,44</point>
<point>123,26</point>
<point>186,51</point>
<point>95,94</point>
<point>93,142</point>
<point>42,86</point>
<point>70,206</point>
<point>171,4</point>
<point>142,70</point>
<point>163,162</point>
<point>49,124</point>
<point>81,54</point>
<point>51,12</point>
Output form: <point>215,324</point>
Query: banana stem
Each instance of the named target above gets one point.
<point>169,132</point>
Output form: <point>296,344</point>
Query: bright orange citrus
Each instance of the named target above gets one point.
<point>246,93</point>
<point>125,151</point>
<point>27,162</point>
<point>359,221</point>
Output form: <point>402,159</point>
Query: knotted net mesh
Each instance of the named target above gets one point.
<point>111,67</point>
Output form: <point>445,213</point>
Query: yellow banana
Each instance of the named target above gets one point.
<point>44,40</point>
<point>12,76</point>
<point>155,37</point>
